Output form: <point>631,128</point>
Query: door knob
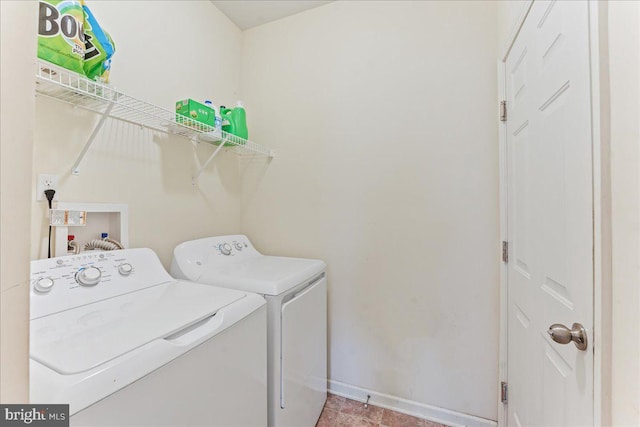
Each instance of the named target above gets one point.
<point>563,335</point>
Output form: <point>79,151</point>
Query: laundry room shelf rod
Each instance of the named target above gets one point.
<point>64,85</point>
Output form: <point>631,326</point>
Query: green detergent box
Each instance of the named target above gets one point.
<point>192,113</point>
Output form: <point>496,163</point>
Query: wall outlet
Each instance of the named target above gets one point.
<point>46,182</point>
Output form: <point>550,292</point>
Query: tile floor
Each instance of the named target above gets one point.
<point>342,412</point>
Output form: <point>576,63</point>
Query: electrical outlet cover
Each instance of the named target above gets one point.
<point>46,182</point>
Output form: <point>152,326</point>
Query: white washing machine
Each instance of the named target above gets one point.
<point>123,343</point>
<point>296,294</point>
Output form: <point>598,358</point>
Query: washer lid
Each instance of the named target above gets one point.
<point>267,275</point>
<point>77,340</point>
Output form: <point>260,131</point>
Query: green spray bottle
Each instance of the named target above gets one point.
<point>234,121</point>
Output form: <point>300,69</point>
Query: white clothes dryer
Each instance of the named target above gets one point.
<point>123,343</point>
<point>296,294</point>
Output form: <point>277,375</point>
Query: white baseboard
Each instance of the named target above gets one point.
<point>409,407</point>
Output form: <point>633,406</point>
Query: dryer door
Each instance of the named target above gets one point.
<point>303,369</point>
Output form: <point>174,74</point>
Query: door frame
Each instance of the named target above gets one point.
<point>601,211</point>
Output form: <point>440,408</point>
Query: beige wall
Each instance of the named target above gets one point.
<point>17,50</point>
<point>165,51</point>
<point>383,115</point>
<point>624,63</point>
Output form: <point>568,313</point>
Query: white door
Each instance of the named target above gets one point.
<point>550,221</point>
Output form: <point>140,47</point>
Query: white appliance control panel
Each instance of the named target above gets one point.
<point>190,259</point>
<point>230,245</point>
<point>244,268</point>
<point>62,283</point>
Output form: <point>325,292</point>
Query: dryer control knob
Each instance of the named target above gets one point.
<point>225,248</point>
<point>43,285</point>
<point>125,269</point>
<point>238,246</point>
<point>89,276</point>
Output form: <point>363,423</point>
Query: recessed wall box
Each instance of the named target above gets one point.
<point>61,217</point>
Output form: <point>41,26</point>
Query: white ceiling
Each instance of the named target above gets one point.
<point>251,13</point>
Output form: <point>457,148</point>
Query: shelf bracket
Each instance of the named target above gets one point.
<point>194,180</point>
<point>75,169</point>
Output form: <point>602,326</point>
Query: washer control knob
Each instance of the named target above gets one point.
<point>43,285</point>
<point>125,269</point>
<point>225,248</point>
<point>238,246</point>
<point>89,276</point>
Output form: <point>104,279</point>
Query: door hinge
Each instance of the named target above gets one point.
<point>503,111</point>
<point>503,391</point>
<point>505,251</point>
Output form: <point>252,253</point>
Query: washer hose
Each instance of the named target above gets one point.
<point>104,244</point>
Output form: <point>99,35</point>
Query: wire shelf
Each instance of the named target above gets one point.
<point>69,87</point>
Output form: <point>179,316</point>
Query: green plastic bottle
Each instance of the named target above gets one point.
<point>234,121</point>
